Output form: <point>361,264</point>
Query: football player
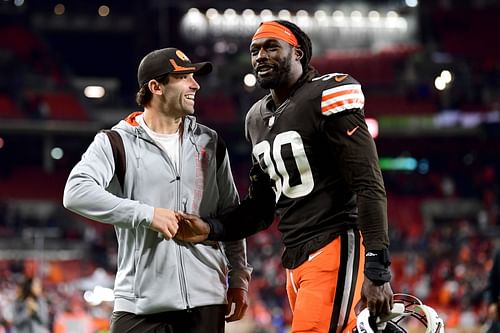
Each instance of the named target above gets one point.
<point>309,136</point>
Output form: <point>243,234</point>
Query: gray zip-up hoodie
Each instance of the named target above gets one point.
<point>154,274</point>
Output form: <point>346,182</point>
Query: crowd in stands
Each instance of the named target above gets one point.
<point>445,264</point>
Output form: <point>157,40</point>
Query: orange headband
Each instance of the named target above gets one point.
<point>275,30</point>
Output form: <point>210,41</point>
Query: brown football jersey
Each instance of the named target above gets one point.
<point>317,148</point>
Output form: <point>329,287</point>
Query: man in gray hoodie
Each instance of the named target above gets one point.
<point>172,163</point>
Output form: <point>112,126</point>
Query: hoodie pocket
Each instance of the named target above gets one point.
<point>210,255</point>
<point>166,259</point>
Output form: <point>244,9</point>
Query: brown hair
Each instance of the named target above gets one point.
<point>144,95</point>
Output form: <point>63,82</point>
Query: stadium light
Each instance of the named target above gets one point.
<point>446,75</point>
<point>372,124</point>
<point>284,14</point>
<point>320,15</point>
<point>230,13</point>
<point>59,9</point>
<point>443,80</point>
<point>94,91</point>
<point>249,80</point>
<point>248,13</point>
<point>211,13</point>
<point>439,83</point>
<point>56,153</point>
<point>411,3</point>
<point>374,16</point>
<point>103,11</point>
<point>266,15</point>
<point>390,26</point>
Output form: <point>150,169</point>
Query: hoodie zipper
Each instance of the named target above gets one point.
<point>182,274</point>
<point>182,206</point>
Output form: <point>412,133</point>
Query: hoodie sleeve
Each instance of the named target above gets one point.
<point>85,190</point>
<point>236,252</point>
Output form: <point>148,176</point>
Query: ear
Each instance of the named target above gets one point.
<point>155,87</point>
<point>298,53</point>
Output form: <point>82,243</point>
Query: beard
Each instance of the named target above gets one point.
<point>279,77</point>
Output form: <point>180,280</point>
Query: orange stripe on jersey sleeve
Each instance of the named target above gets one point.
<point>325,98</point>
<point>342,98</point>
<point>343,105</point>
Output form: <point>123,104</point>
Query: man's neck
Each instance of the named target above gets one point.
<point>160,123</point>
<point>282,93</point>
<point>279,96</point>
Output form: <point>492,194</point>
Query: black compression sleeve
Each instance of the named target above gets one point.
<point>253,214</point>
<point>244,220</point>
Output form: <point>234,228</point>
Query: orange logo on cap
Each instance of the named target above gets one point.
<point>181,55</point>
<point>178,68</point>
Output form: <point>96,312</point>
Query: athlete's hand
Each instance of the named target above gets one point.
<point>378,299</point>
<point>239,297</point>
<point>191,228</point>
<point>165,222</point>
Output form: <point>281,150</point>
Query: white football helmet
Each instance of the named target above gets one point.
<point>405,307</point>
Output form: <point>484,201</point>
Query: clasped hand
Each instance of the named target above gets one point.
<point>178,225</point>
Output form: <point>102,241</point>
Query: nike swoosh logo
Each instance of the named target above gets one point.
<point>340,78</point>
<point>351,132</point>
<point>314,255</point>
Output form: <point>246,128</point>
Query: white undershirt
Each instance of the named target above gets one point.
<point>170,143</point>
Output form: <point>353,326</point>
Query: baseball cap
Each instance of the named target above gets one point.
<point>168,60</point>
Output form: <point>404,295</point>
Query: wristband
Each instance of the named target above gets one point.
<point>377,266</point>
<point>378,275</point>
<point>379,256</point>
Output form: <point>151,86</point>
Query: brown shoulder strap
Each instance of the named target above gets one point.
<point>118,154</point>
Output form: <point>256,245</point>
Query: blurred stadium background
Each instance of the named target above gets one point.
<point>430,71</point>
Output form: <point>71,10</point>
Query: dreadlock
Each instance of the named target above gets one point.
<point>305,45</point>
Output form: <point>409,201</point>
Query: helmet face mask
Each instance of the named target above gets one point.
<point>407,309</point>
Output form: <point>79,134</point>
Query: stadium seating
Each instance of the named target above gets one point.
<point>62,105</point>
<point>9,109</point>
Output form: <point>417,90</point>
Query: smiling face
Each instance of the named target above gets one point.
<point>179,94</point>
<point>272,62</point>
